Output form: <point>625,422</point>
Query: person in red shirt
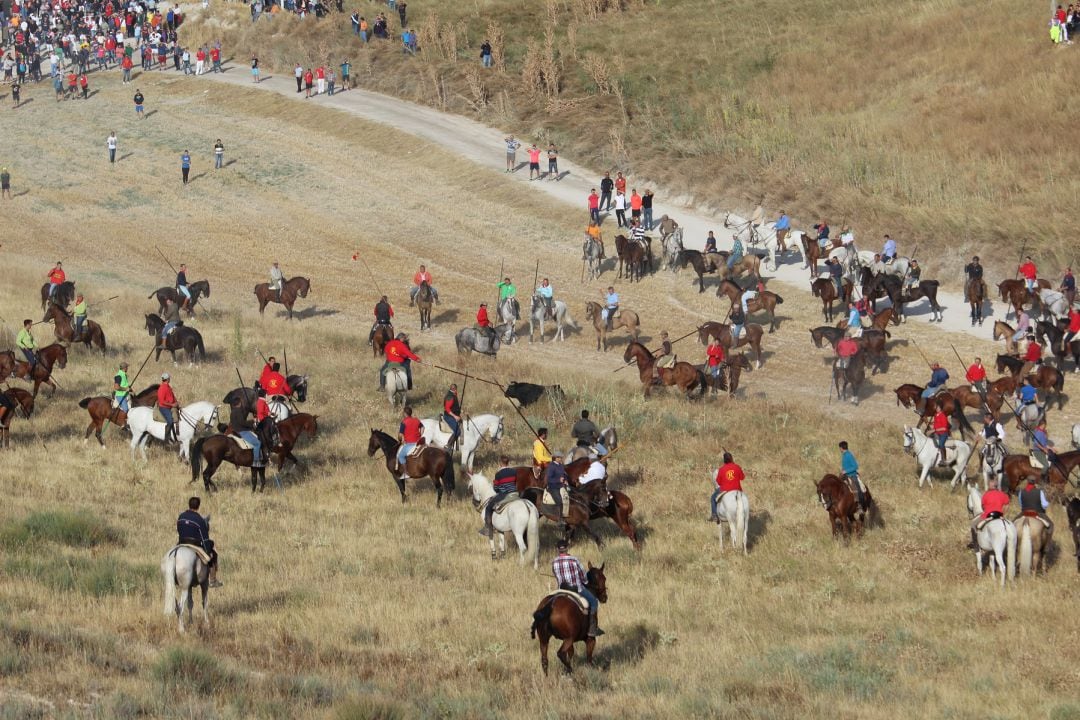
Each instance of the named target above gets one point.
<point>620,183</point>
<point>275,383</point>
<point>635,205</point>
<point>73,82</point>
<point>84,85</point>
<point>262,408</point>
<point>397,353</point>
<point>1074,328</point>
<point>423,276</point>
<point>57,277</point>
<point>270,367</point>
<point>534,162</point>
<point>1032,356</point>
<point>994,502</point>
<point>215,58</point>
<point>594,206</point>
<point>166,402</point>
<point>728,479</point>
<point>409,433</point>
<point>976,375</point>
<point>715,355</point>
<point>1030,274</point>
<point>846,349</point>
<point>941,433</point>
<point>482,320</point>
<point>308,79</point>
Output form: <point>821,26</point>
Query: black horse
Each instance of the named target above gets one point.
<point>702,264</point>
<point>181,338</point>
<point>1050,335</point>
<point>241,400</point>
<point>64,295</point>
<point>851,376</point>
<point>198,289</point>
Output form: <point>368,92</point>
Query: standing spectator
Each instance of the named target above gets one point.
<point>111,144</point>
<point>620,209</point>
<point>511,152</point>
<point>620,183</point>
<point>363,30</point>
<point>345,68</point>
<point>553,162</point>
<point>646,208</point>
<point>139,104</point>
<point>72,85</point>
<point>15,90</point>
<point>606,186</point>
<point>186,57</point>
<point>125,66</point>
<point>5,183</point>
<point>320,80</point>
<point>594,207</point>
<point>84,86</point>
<point>254,66</point>
<point>485,54</point>
<point>298,71</point>
<point>635,204</point>
<point>330,80</point>
<point>309,80</point>
<point>401,12</point>
<point>219,154</point>
<point>58,86</point>
<point>355,19</point>
<point>534,162</point>
<point>200,61</point>
<point>185,166</point>
<point>215,58</point>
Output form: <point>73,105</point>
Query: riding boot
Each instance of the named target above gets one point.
<point>168,434</point>
<point>487,530</point>
<point>594,631</point>
<point>213,579</point>
<point>974,544</point>
<point>941,459</point>
<point>920,407</point>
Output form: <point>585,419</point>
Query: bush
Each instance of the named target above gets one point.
<point>97,577</point>
<point>75,529</point>
<point>194,671</point>
<point>372,709</point>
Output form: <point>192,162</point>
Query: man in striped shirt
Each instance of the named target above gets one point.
<point>571,576</point>
<point>637,231</point>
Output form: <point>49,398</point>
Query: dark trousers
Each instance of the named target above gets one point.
<point>299,84</point>
<point>605,199</point>
<point>455,429</point>
<point>594,215</point>
<point>184,172</point>
<point>556,499</point>
<point>620,216</point>
<point>30,356</point>
<point>112,155</point>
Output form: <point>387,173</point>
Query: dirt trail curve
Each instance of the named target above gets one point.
<point>484,146</point>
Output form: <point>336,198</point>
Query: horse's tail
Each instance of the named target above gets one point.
<point>168,575</point>
<point>1059,382</point>
<point>702,382</point>
<point>1025,549</point>
<point>448,474</point>
<point>532,535</point>
<point>779,300</point>
<point>151,295</point>
<point>540,617</point>
<point>1010,551</point>
<point>958,413</point>
<point>196,459</point>
<point>202,348</point>
<point>741,530</point>
<point>85,402</point>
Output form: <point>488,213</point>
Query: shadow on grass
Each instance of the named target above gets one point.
<point>152,112</point>
<point>630,646</point>
<point>446,316</point>
<point>230,162</point>
<point>308,312</point>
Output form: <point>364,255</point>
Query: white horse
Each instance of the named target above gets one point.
<point>1076,436</point>
<point>673,245</point>
<point>509,314</point>
<point>734,511</point>
<point>921,447</point>
<point>997,537</point>
<point>474,428</point>
<point>1054,304</point>
<point>183,567</point>
<point>538,314</point>
<point>590,253</point>
<point>397,386</point>
<point>763,236</point>
<point>279,410</point>
<point>993,464</point>
<point>192,418</point>
<point>517,516</point>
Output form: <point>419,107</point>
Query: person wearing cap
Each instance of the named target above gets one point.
<point>728,479</point>
<point>782,226</point>
<point>166,402</point>
<point>384,316</point>
<point>504,484</point>
<point>121,388</point>
<point>938,377</point>
<point>593,482</point>
<point>541,454</point>
<point>555,478</point>
<point>397,352</point>
<point>56,277</point>
<point>451,415</point>
<point>79,312</point>
<point>736,253</point>
<point>277,279</point>
<point>570,575</point>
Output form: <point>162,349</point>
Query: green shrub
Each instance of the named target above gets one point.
<point>75,529</point>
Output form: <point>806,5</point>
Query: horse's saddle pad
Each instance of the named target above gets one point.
<point>415,452</point>
<point>241,441</point>
<point>1035,461</point>
<point>582,603</point>
<point>549,500</point>
<point>443,427</point>
<point>984,521</point>
<point>501,501</point>
<point>203,555</point>
<point>1040,518</point>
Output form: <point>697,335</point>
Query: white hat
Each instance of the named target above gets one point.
<point>164,376</point>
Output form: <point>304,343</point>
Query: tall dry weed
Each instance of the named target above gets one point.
<point>478,90</point>
<point>497,38</point>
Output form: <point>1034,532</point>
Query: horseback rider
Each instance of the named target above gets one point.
<point>182,290</point>
<point>1026,395</point>
<point>422,276</point>
<point>888,250</point>
<point>854,320</point>
<point>1068,286</point>
<point>637,233</point>
<point>571,576</point>
<point>736,252</point>
<point>974,273</point>
<point>263,418</point>
<point>541,455</point>
<point>483,323</point>
<point>976,376</point>
<point>664,357</point>
<point>993,435</point>
<point>846,349</point>
<point>277,280</point>
<point>1042,453</point>
<point>593,231</point>
<point>1033,503</point>
<point>25,342</point>
<point>611,306</point>
<point>938,377</point>
<point>1030,274</point>
<point>1023,326</point>
<point>913,274</point>
<point>384,315</point>
<point>728,479</point>
<point>714,355</point>
<point>1032,356</point>
<point>738,319</point>
<point>546,294</point>
<point>782,226</point>
<point>847,237</point>
<point>166,402</point>
<point>555,479</point>
<point>593,482</point>
<point>121,388</point>
<point>193,529</point>
<point>271,366</point>
<point>507,291</point>
<point>822,234</point>
<point>877,267</point>
<point>1074,328</point>
<point>79,313</point>
<point>273,382</point>
<point>586,434</point>
<point>941,434</point>
<point>56,277</point>
<point>994,502</point>
<point>710,244</point>
<point>751,293</point>
<point>849,471</point>
<point>172,320</point>
<point>410,432</point>
<point>505,482</point>
<point>836,272</point>
<point>398,353</point>
<point>451,415</point>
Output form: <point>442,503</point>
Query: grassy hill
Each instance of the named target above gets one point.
<point>936,122</point>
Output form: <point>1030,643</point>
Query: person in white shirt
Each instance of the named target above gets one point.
<point>620,209</point>
<point>592,482</point>
<point>110,143</point>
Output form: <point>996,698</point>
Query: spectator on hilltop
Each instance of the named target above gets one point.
<point>485,54</point>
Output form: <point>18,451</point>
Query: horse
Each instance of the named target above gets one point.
<point>702,264</point>
<point>625,318</point>
<point>672,244</point>
<point>242,399</point>
<point>24,405</point>
<point>291,289</point>
<point>853,375</point>
<point>969,397</point>
<point>926,454</point>
<point>845,511</point>
<point>182,337</point>
<point>925,289</point>
<point>1051,337</point>
<point>143,426</point>
<point>811,253</point>
<point>183,567</point>
<point>687,377</point>
<point>632,256</point>
<point>733,509</point>
<point>909,394</point>
<point>871,341</point>
<point>751,335</point>
<point>1032,542</point>
<point>997,537</point>
<point>474,428</point>
<point>1017,468</point>
<point>478,340</point>
<point>609,438</point>
<point>397,386</point>
<point>215,449</point>
<point>509,312</point>
<point>881,286</point>
<point>1004,331</point>
<point>727,381</point>
<point>1014,292</point>
<point>825,289</point>
<point>576,513</point>
<point>561,617</point>
<point>102,411</point>
<point>975,295</point>
<point>1054,305</point>
<point>765,301</point>
<point>384,333</point>
<point>424,300</point>
<point>538,313</point>
<point>198,289</point>
<point>1072,510</point>
<point>428,462</point>
<point>764,236</point>
<point>1043,377</point>
<point>518,516</point>
<point>592,253</point>
<point>289,432</point>
<point>48,357</point>
<point>992,466</point>
<point>64,329</point>
<point>63,296</point>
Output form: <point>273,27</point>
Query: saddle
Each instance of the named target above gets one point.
<point>420,447</point>
<point>501,501</point>
<point>443,427</point>
<point>667,361</point>
<point>1033,514</point>
<point>203,555</point>
<point>564,494</point>
<point>1035,462</point>
<point>984,521</point>
<point>577,598</point>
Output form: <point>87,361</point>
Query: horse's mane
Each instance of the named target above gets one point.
<point>383,437</point>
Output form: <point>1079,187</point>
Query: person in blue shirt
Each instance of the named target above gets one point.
<point>1027,396</point>
<point>849,470</point>
<point>546,293</point>
<point>736,252</point>
<point>888,252</point>
<point>710,243</point>
<point>782,228</point>
<point>611,306</point>
<point>938,377</point>
<point>1042,449</point>
<point>854,321</point>
<point>185,166</point>
<point>193,529</point>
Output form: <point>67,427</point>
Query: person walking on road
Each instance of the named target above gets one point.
<point>185,166</point>
<point>111,144</point>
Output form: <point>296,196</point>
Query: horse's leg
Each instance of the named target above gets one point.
<point>566,653</point>
<point>438,489</point>
<point>545,637</point>
<point>400,485</point>
<point>590,646</point>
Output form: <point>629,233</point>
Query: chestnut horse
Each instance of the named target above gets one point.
<point>289,431</point>
<point>765,301</point>
<point>1005,331</point>
<point>431,462</point>
<point>703,264</point>
<point>560,617</point>
<point>908,395</point>
<point>825,289</point>
<point>751,335</point>
<point>683,374</point>
<point>1045,378</point>
<point>216,449</point>
<point>1017,468</point>
<point>24,406</point>
<point>54,355</point>
<point>1015,293</point>
<point>64,329</point>
<point>627,319</point>
<point>634,256</point>
<point>383,334</point>
<point>291,289</point>
<point>844,509</point>
<point>101,410</point>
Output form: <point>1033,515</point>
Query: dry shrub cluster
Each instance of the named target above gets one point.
<point>440,40</point>
<point>540,69</point>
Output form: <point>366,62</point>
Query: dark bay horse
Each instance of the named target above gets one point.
<point>424,300</point>
<point>851,376</point>
<point>1051,336</point>
<point>64,329</point>
<point>925,289</point>
<point>383,334</point>
<point>632,256</point>
<point>1015,293</point>
<point>908,395</point>
<point>825,289</point>
<point>48,357</point>
<point>618,509</point>
<point>101,410</point>
<point>216,449</point>
<point>289,431</point>
<point>182,337</point>
<point>242,400</point>
<point>765,301</point>
<point>431,462</point>
<point>682,374</point>
<point>560,617</point>
<point>1050,381</point>
<point>975,295</point>
<point>1017,468</point>
<point>702,263</point>
<point>64,295</point>
<point>751,335</point>
<point>871,341</point>
<point>23,403</point>
<point>291,289</point>
<point>845,512</point>
<point>198,289</point>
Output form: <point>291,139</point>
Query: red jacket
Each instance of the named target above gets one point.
<point>847,347</point>
<point>594,201</point>
<point>420,277</point>
<point>1034,352</point>
<point>1028,270</point>
<point>976,373</point>
<point>276,385</point>
<point>397,351</point>
<point>165,396</point>
<point>994,501</point>
<point>482,318</point>
<point>411,430</point>
<point>56,275</point>
<point>715,354</point>
<point>262,409</point>
<point>729,477</point>
<point>1074,321</point>
<point>264,377</point>
<point>941,423</point>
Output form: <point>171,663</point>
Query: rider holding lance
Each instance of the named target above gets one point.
<point>976,376</point>
<point>166,402</point>
<point>541,454</point>
<point>451,414</point>
<point>182,290</point>
<point>397,353</point>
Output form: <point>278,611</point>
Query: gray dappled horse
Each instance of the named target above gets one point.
<point>538,314</point>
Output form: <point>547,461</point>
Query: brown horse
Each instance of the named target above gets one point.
<point>765,301</point>
<point>969,397</point>
<point>48,357</point>
<point>64,295</point>
<point>216,449</point>
<point>198,289</point>
<point>825,289</point>
<point>383,334</point>
<point>24,406</point>
<point>1049,380</point>
<point>1015,293</point>
<point>291,289</point>
<point>879,322</point>
<point>633,256</point>
<point>627,319</point>
<point>683,374</point>
<point>182,337</point>
<point>431,462</point>
<point>728,381</point>
<point>560,617</point>
<point>64,329</point>
<point>575,515</point>
<point>1017,468</point>
<point>101,410</point>
<point>811,253</point>
<point>845,512</point>
<point>1005,331</point>
<point>975,294</point>
<point>702,263</point>
<point>909,394</point>
<point>751,335</point>
<point>871,341</point>
<point>619,507</point>
<point>424,300</point>
<point>289,431</point>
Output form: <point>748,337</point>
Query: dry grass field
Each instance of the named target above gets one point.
<point>340,602</point>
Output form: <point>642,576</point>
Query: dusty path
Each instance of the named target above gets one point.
<point>483,145</point>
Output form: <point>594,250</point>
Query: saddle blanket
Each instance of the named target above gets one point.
<point>582,603</point>
<point>415,452</point>
<point>984,521</point>
<point>548,500</point>
<point>501,501</point>
<point>241,441</point>
<point>203,555</point>
<point>443,427</point>
<point>1033,514</point>
<point>1035,462</point>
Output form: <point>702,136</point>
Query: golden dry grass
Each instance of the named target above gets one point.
<point>341,602</point>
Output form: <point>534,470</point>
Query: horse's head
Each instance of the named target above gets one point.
<point>817,337</point>
<point>202,287</point>
<point>311,425</point>
<point>1001,363</point>
<point>480,487</point>
<point>974,500</point>
<point>299,385</point>
<point>597,582</point>
<point>909,440</point>
<point>303,285</point>
<point>152,327</point>
<point>610,438</point>
<point>59,355</point>
<point>497,433</point>
<point>628,354</point>
<point>727,220</point>
<point>373,445</point>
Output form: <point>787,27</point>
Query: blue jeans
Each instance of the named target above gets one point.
<point>167,329</point>
<point>594,215</point>
<point>123,403</point>
<point>714,500</point>
<point>485,60</point>
<point>732,259</point>
<point>183,290</point>
<point>939,440</point>
<point>600,449</point>
<point>594,604</point>
<point>404,451</point>
<point>52,288</point>
<point>79,320</point>
<point>30,356</point>
<point>455,429</point>
<point>929,392</point>
<point>736,331</point>
<point>217,160</point>
<point>166,414</point>
<point>256,444</point>
<point>648,217</point>
<point>363,35</point>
